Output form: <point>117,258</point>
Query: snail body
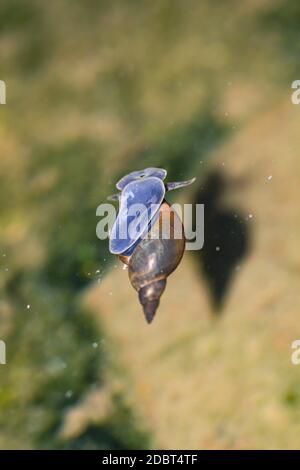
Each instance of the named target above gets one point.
<point>154,251</point>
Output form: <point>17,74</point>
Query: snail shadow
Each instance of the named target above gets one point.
<point>226,239</point>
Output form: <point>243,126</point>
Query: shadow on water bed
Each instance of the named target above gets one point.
<point>226,239</point>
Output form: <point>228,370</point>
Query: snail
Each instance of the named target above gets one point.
<point>145,234</point>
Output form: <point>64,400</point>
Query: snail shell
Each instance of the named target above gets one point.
<point>155,258</point>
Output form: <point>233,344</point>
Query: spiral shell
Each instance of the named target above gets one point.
<point>151,258</point>
<point>155,258</point>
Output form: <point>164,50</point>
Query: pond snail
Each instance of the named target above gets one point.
<point>145,234</point>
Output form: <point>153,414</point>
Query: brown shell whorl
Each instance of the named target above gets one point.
<point>153,260</point>
<point>149,296</point>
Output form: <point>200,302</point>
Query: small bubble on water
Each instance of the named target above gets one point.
<point>218,248</point>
